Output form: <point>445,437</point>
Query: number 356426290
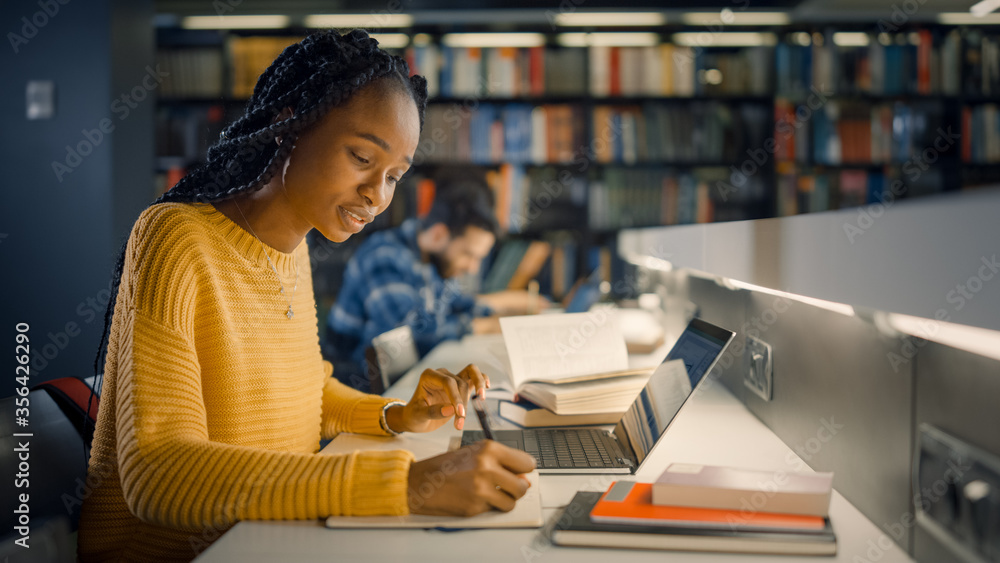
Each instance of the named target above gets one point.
<point>22,371</point>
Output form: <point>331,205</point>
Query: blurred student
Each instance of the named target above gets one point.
<point>409,276</point>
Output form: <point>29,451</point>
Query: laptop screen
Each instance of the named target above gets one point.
<point>700,346</point>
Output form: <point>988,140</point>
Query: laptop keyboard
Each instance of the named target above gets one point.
<point>574,448</point>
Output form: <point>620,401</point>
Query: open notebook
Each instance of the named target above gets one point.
<point>527,513</point>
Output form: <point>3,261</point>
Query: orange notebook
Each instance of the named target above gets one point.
<point>626,502</point>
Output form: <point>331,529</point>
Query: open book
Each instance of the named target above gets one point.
<point>580,358</point>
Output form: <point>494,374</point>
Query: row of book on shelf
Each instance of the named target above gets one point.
<point>488,133</point>
<point>601,71</point>
<point>642,197</point>
<point>546,198</point>
<point>836,132</point>
<point>549,198</point>
<point>812,189</point>
<point>921,62</point>
<point>845,132</point>
<point>926,61</point>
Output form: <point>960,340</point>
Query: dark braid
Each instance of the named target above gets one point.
<point>322,71</point>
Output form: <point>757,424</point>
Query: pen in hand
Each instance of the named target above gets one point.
<point>480,405</point>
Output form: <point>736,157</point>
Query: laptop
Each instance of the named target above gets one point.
<point>593,450</point>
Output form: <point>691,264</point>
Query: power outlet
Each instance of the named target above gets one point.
<point>759,374</point>
<point>957,495</point>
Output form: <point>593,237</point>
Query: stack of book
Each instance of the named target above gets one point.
<point>706,508</point>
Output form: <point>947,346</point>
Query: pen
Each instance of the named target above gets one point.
<point>480,404</point>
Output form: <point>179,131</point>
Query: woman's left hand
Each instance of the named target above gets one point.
<point>439,396</point>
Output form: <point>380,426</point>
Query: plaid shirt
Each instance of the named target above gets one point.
<point>386,285</point>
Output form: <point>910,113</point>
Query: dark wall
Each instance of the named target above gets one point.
<point>59,235</point>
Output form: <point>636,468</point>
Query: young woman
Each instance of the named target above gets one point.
<point>215,396</point>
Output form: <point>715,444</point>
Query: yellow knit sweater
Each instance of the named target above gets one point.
<point>214,402</point>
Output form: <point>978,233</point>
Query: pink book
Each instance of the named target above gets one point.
<point>750,490</point>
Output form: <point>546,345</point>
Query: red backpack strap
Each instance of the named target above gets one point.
<point>75,394</point>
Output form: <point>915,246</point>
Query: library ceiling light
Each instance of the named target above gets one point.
<point>729,17</point>
<point>363,21</point>
<point>624,39</point>
<point>851,39</point>
<point>966,18</point>
<point>493,39</point>
<point>980,9</point>
<point>235,22</point>
<point>724,39</point>
<point>391,40</point>
<point>584,19</point>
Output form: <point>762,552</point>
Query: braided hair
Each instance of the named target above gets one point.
<point>322,71</point>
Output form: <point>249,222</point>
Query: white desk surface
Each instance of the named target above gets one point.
<point>713,428</point>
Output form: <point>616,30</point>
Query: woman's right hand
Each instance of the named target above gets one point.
<point>470,480</point>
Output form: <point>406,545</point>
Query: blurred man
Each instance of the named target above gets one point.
<point>408,276</point>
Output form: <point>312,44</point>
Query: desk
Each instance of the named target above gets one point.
<point>713,428</point>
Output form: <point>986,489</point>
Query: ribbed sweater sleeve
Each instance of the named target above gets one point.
<point>172,474</point>
<point>349,410</point>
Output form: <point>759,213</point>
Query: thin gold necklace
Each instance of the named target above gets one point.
<point>289,313</point>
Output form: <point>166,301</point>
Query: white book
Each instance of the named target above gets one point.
<point>571,363</point>
<point>730,488</point>
<point>564,348</point>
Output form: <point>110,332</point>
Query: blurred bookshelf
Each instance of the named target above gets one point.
<point>581,141</point>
